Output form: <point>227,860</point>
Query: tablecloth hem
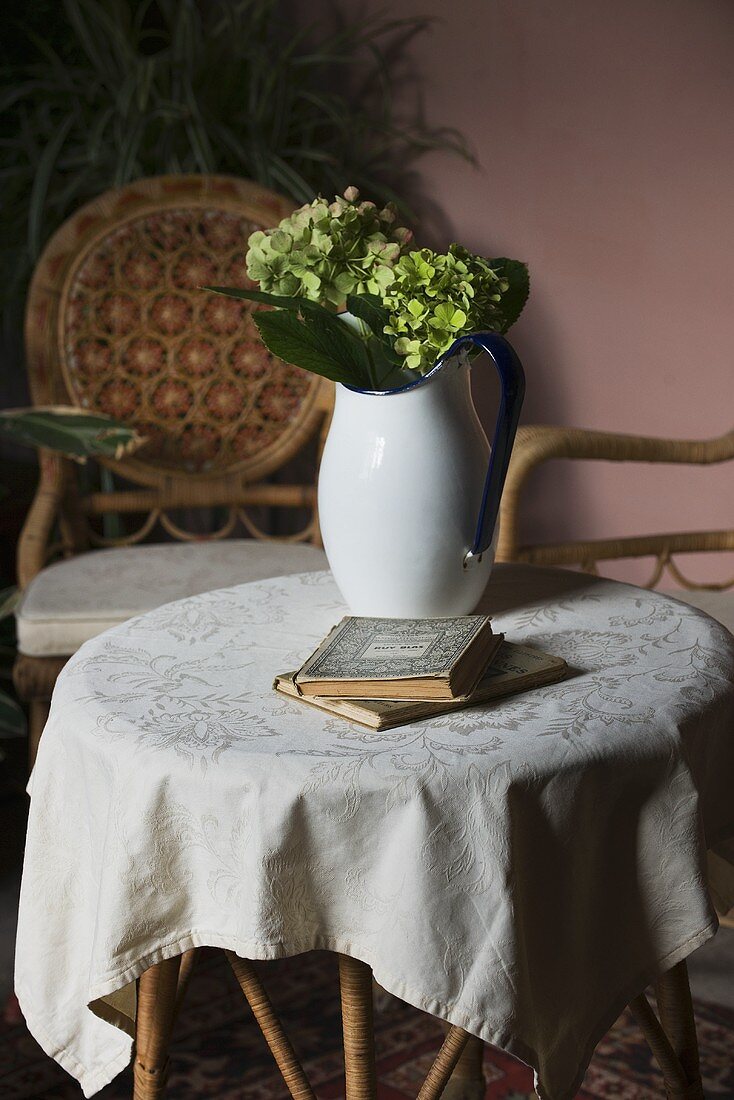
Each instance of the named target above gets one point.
<point>93,1080</point>
<point>632,990</point>
<point>90,1081</point>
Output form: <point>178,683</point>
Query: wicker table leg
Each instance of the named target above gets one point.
<point>188,962</point>
<point>672,1037</point>
<point>273,1032</point>
<point>444,1064</point>
<point>675,1008</point>
<point>457,1066</point>
<point>157,989</point>
<point>355,981</point>
<point>467,1082</point>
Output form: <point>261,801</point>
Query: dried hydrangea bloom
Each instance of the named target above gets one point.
<point>433,298</point>
<point>325,251</point>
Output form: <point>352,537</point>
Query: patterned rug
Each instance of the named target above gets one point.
<point>219,1052</point>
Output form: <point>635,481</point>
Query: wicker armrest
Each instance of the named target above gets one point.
<point>43,515</point>
<point>536,444</point>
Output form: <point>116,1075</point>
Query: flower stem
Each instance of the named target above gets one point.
<point>365,332</point>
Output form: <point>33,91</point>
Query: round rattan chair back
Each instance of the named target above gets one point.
<point>117,322</point>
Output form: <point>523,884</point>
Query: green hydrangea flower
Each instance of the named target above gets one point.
<point>325,251</point>
<point>433,298</point>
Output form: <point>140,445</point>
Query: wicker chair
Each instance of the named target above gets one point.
<point>116,323</point>
<point>538,444</point>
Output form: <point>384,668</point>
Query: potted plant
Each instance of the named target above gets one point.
<point>78,434</point>
<point>407,513</point>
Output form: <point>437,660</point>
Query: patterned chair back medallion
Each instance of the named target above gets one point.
<point>117,317</point>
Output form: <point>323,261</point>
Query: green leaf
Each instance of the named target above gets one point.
<point>12,718</point>
<point>307,347</point>
<point>344,343</point>
<point>369,309</point>
<point>388,367</point>
<point>73,432</point>
<point>386,363</point>
<point>41,182</point>
<point>9,598</point>
<point>514,299</point>
<point>279,300</point>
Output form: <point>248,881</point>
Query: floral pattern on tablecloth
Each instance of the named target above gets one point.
<point>521,868</point>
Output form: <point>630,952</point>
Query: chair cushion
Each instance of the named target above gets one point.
<point>74,600</point>
<point>719,605</point>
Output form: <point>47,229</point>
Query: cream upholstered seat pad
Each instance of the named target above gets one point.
<point>72,601</point>
<point>719,605</point>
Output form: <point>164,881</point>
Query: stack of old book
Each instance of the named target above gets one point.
<point>386,672</point>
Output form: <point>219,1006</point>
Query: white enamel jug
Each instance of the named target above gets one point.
<point>409,491</point>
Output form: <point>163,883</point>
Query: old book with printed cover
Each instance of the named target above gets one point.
<point>422,659</point>
<point>515,668</point>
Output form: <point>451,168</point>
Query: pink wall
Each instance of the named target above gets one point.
<point>605,139</point>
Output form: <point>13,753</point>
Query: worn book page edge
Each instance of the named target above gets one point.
<point>343,708</point>
<point>354,689</point>
<point>481,622</point>
<point>550,669</point>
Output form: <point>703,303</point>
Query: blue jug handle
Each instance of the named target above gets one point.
<point>512,392</point>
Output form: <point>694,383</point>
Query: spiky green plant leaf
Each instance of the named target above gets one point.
<point>8,601</point>
<point>73,432</point>
<point>112,90</point>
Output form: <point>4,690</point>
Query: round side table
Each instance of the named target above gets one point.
<point>522,869</point>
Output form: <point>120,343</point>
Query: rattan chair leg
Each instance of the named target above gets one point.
<point>467,1082</point>
<point>272,1029</point>
<point>444,1064</point>
<point>37,717</point>
<point>154,1022</point>
<point>675,1008</point>
<point>355,980</point>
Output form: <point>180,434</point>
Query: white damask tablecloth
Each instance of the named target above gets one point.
<point>521,869</point>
